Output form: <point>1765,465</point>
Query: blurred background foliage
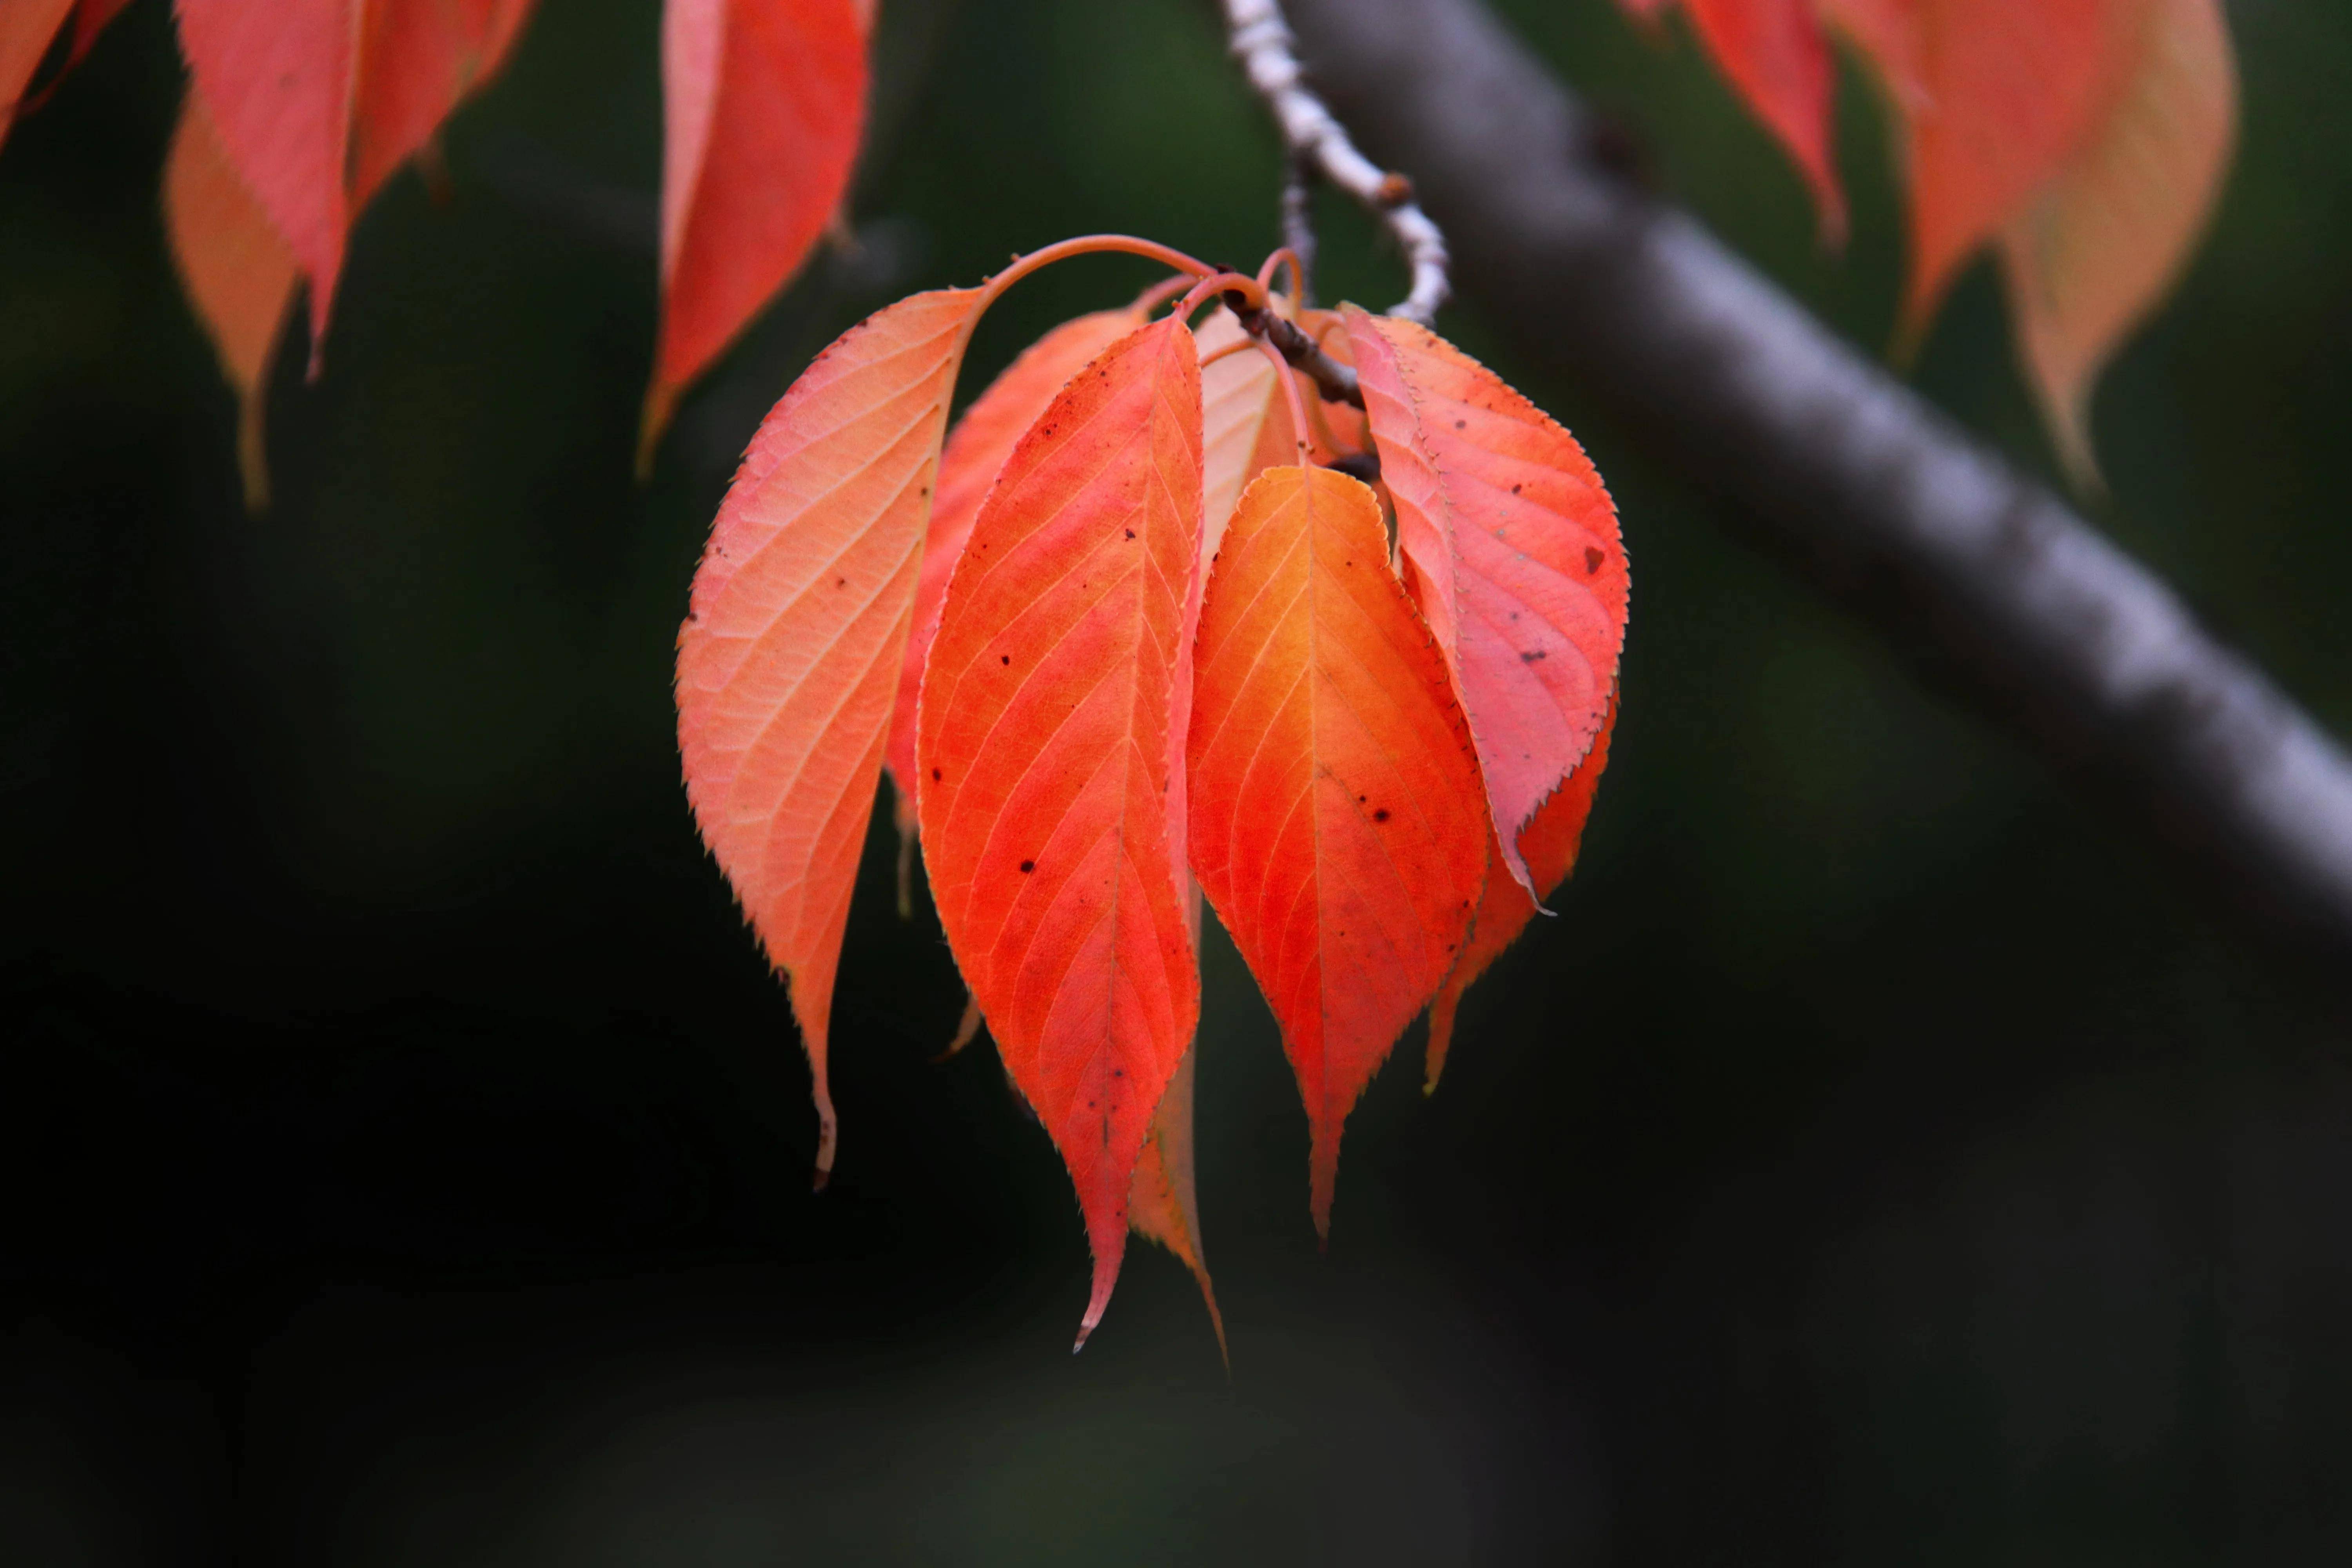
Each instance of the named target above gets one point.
<point>1883,1157</point>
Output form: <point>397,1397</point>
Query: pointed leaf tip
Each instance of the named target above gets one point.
<point>1338,825</point>
<point>1048,739</point>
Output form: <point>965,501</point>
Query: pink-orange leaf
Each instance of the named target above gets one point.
<point>789,660</point>
<point>419,60</point>
<point>1337,824</point>
<point>237,270</point>
<point>1548,845</point>
<point>1513,545</point>
<point>762,104</point>
<point>2100,243</point>
<point>1048,754</point>
<point>977,447</point>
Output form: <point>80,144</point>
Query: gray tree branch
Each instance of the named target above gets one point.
<point>1977,575</point>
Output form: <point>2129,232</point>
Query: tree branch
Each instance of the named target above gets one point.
<point>1262,43</point>
<point>1972,572</point>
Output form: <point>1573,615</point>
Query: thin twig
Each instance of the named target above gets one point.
<point>1968,569</point>
<point>1261,41</point>
<point>1298,222</point>
<point>1335,380</point>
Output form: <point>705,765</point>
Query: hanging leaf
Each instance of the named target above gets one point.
<point>1778,58</point>
<point>976,450</point>
<point>1512,544</point>
<point>1548,845</point>
<point>237,272</point>
<point>1049,772</point>
<point>317,102</point>
<point>763,105</point>
<point>2101,243</point>
<point>1162,1205</point>
<point>789,660</point>
<point>1246,424</point>
<point>1991,98</point>
<point>1338,823</point>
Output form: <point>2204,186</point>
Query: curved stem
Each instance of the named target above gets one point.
<point>1091,245</point>
<point>1298,441</point>
<point>1286,255</point>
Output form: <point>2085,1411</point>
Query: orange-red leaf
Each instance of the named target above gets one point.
<point>2099,244</point>
<point>1337,824</point>
<point>1048,753</point>
<point>1161,1205</point>
<point>1246,424</point>
<point>237,270</point>
<point>1513,545</point>
<point>789,660</point>
<point>1548,844</point>
<point>1777,55</point>
<point>27,28</point>
<point>1992,98</point>
<point>762,104</point>
<point>418,60</point>
<point>982,439</point>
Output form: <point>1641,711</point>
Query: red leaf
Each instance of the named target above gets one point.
<point>976,450</point>
<point>2102,241</point>
<point>789,654</point>
<point>1776,55</point>
<point>1337,824</point>
<point>1512,546</point>
<point>762,104</point>
<point>418,61</point>
<point>1548,844</point>
<point>1991,97</point>
<point>277,81</point>
<point>27,28</point>
<point>237,270</point>
<point>318,101</point>
<point>1048,752</point>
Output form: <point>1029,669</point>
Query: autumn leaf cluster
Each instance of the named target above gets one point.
<point>1138,635</point>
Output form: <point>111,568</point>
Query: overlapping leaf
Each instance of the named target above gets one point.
<point>983,438</point>
<point>788,664</point>
<point>1337,824</point>
<point>28,31</point>
<point>1049,762</point>
<point>762,104</point>
<point>237,270</point>
<point>1548,845</point>
<point>1162,1205</point>
<point>1512,544</point>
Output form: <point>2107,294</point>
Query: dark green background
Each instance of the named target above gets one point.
<point>1886,1157</point>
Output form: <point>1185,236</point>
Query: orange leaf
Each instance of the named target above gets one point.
<point>789,654</point>
<point>1992,98</point>
<point>1512,546</point>
<point>1776,55</point>
<point>1048,752</point>
<point>2094,249</point>
<point>762,104</point>
<point>27,28</point>
<point>1337,824</point>
<point>1245,425</point>
<point>982,439</point>
<point>1162,1205</point>
<point>237,270</point>
<point>1548,844</point>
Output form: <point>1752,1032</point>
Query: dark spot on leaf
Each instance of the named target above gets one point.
<point>1381,814</point>
<point>1514,490</point>
<point>1533,656</point>
<point>1027,866</point>
<point>935,775</point>
<point>841,581</point>
<point>1004,658</point>
<point>1592,560</point>
<point>1130,533</point>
